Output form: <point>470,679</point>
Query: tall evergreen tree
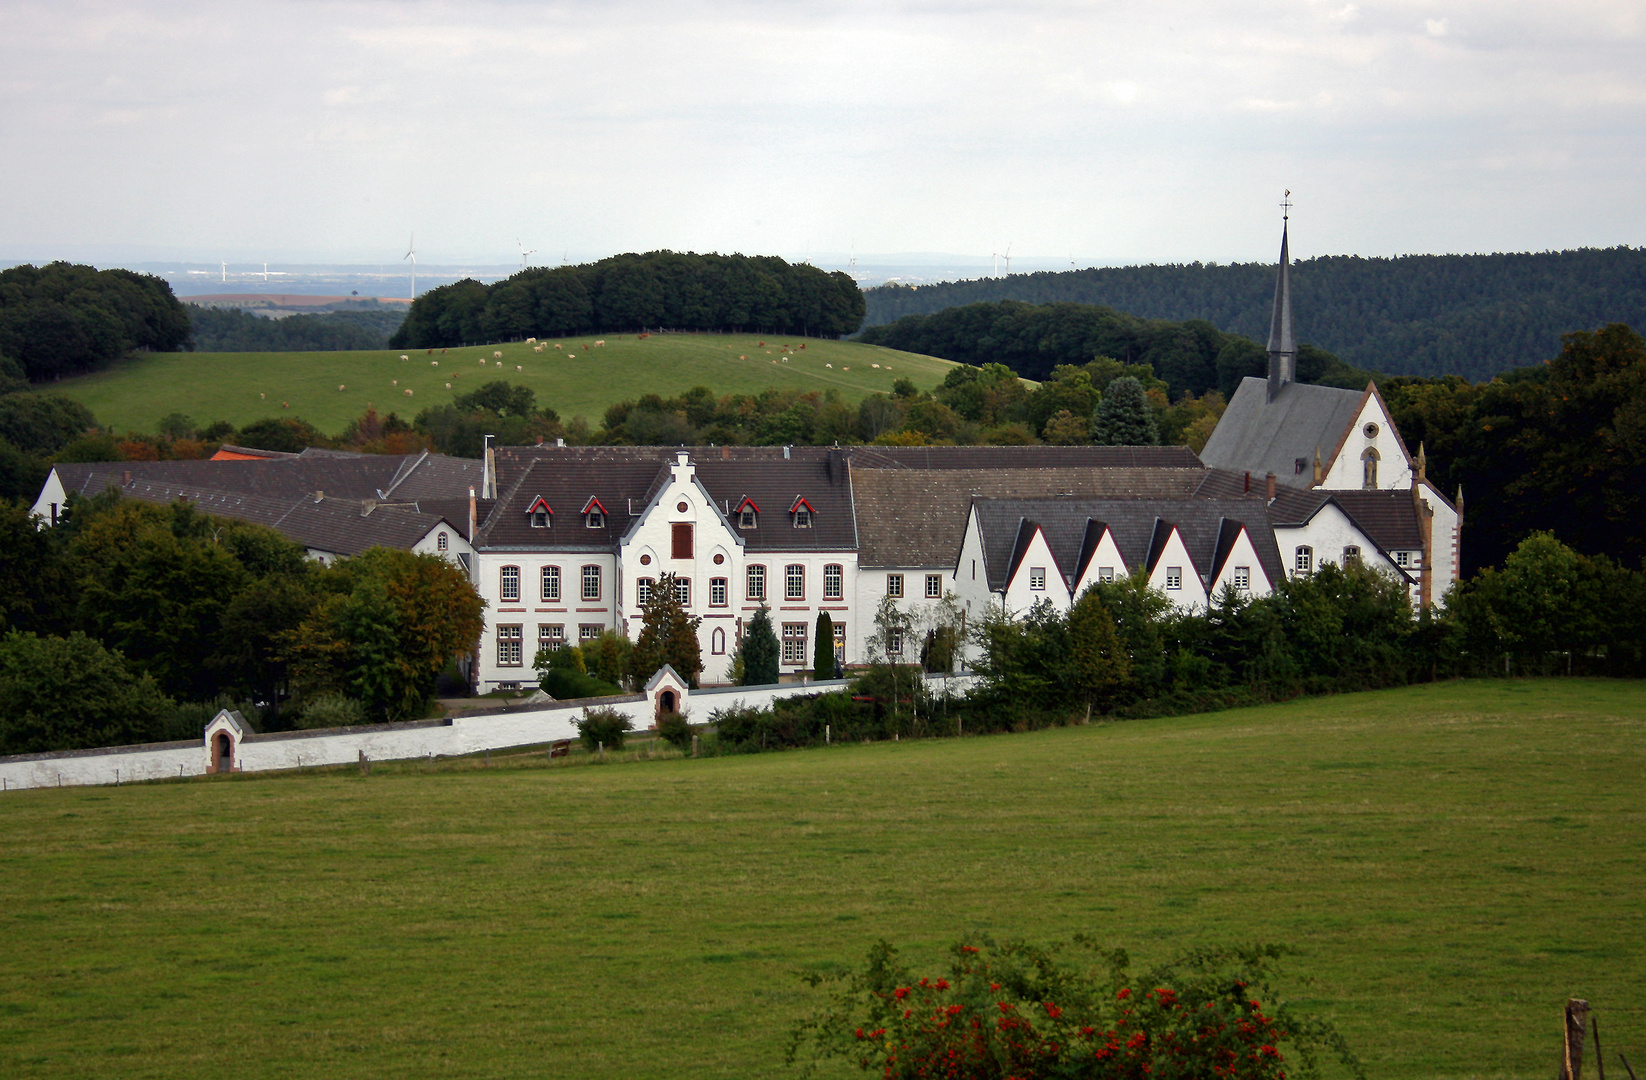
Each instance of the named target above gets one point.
<point>823,648</point>
<point>1124,417</point>
<point>667,636</point>
<point>760,650</point>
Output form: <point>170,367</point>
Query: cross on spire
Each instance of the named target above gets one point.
<point>1286,206</point>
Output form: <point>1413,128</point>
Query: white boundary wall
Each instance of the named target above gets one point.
<point>453,736</point>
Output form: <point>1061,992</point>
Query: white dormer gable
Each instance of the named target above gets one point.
<point>1173,572</point>
<point>1242,565</point>
<point>1036,577</point>
<point>1106,564</point>
<point>1371,455</point>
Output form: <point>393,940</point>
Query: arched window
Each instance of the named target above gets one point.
<point>1368,464</point>
<point>441,543</point>
<point>717,641</point>
<point>1304,560</point>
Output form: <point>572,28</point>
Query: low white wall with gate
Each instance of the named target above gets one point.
<point>453,736</point>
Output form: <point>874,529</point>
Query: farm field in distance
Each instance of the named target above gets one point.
<point>1450,863</point>
<point>574,380</point>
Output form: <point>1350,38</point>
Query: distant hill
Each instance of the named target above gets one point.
<point>1469,315</point>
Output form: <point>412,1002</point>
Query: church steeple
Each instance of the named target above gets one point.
<point>1282,346</point>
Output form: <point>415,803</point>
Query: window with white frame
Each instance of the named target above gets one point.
<point>596,519</point>
<point>643,589</point>
<point>1403,559</point>
<point>1037,578</point>
<point>683,591</point>
<point>441,543</point>
<point>717,592</point>
<point>894,641</point>
<point>833,579</point>
<point>589,631</point>
<point>802,517</point>
<point>551,635</point>
<point>1303,559</point>
<point>794,582</point>
<point>794,643</point>
<point>934,586</point>
<point>1243,578</point>
<point>508,644</point>
<point>1351,555</point>
<point>1174,577</point>
<point>755,577</point>
<point>894,585</point>
<point>591,582</point>
<point>508,584</point>
<point>840,643</point>
<point>746,517</point>
<point>540,519</point>
<point>551,583</point>
<point>1105,574</point>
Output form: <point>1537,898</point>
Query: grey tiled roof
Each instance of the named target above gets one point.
<point>1263,436</point>
<point>1388,518</point>
<point>1024,457</point>
<point>917,517</point>
<point>1135,524</point>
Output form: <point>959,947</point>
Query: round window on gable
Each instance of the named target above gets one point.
<point>1370,430</point>
<point>719,559</point>
<point>645,560</point>
<point>681,507</point>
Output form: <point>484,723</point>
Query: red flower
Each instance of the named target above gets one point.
<point>1052,1010</point>
<point>860,1034</point>
<point>954,1010</point>
<point>968,948</point>
<point>900,993</point>
<point>1123,995</point>
<point>942,984</point>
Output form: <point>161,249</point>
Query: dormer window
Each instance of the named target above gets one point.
<point>801,514</point>
<point>538,513</point>
<point>594,514</point>
<point>748,514</point>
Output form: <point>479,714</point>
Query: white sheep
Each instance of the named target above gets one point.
<point>601,342</point>
<point>394,382</point>
<point>557,345</point>
<point>434,363</point>
<point>448,386</point>
<point>403,356</point>
<point>571,356</point>
<point>828,365</point>
<point>260,397</point>
<point>531,341</point>
<point>408,393</point>
<point>500,363</point>
<point>497,354</point>
<point>537,348</point>
<point>517,367</point>
<point>482,361</point>
<point>874,365</point>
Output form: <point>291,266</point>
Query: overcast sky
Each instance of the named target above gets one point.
<point>1110,131</point>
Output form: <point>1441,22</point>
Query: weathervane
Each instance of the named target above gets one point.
<point>1286,206</point>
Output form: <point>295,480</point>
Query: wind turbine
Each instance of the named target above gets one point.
<point>1006,258</point>
<point>411,253</point>
<point>524,254</point>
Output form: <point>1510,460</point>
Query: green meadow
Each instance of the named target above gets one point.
<point>579,378</point>
<point>1449,862</point>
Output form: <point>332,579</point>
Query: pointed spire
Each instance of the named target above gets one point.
<point>1320,473</point>
<point>1422,463</point>
<point>1282,345</point>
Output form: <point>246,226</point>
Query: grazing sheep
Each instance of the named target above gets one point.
<point>442,352</point>
<point>537,348</point>
<point>762,345</point>
<point>285,404</point>
<point>571,356</point>
<point>260,397</point>
<point>500,363</point>
<point>408,393</point>
<point>846,368</point>
<point>394,382</point>
<point>802,344</point>
<point>828,365</point>
<point>517,367</point>
<point>434,363</point>
<point>483,361</point>
<point>874,365</point>
<point>531,341</point>
<point>339,388</point>
<point>642,337</point>
<point>601,342</point>
<point>448,386</point>
<point>431,352</point>
<point>496,354</point>
<point>403,356</point>
<point>557,345</point>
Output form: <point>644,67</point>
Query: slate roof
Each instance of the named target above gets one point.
<point>1023,457</point>
<point>363,476</point>
<point>1263,436</point>
<point>1134,524</point>
<point>917,517</point>
<point>1388,518</point>
<point>340,525</point>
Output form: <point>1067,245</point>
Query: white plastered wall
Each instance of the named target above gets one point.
<point>570,611</point>
<point>1106,557</point>
<point>1346,471</point>
<point>1175,553</point>
<point>1328,533</point>
<point>1243,553</point>
<point>1020,597</point>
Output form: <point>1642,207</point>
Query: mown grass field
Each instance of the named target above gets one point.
<point>573,380</point>
<point>1450,862</point>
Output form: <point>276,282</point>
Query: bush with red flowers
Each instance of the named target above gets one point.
<point>1017,1012</point>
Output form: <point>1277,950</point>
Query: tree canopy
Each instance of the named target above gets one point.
<point>65,319</point>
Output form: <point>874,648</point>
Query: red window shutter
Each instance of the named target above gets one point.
<point>682,540</point>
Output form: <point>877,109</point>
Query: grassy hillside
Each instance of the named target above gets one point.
<point>1451,862</point>
<point>575,379</point>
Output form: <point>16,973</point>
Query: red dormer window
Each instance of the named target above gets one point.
<point>539,512</point>
<point>594,514</point>
<point>747,513</point>
<point>801,513</point>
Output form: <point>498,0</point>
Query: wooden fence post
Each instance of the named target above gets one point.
<point>694,745</point>
<point>1577,1020</point>
<point>365,763</point>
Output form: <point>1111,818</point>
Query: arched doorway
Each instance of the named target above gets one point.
<point>667,702</point>
<point>222,756</point>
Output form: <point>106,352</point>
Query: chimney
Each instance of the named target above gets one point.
<point>473,517</point>
<point>726,453</point>
<point>1320,474</point>
<point>1248,488</point>
<point>540,440</point>
<point>318,495</point>
<point>1269,487</point>
<point>558,443</point>
<point>125,478</point>
<point>488,479</point>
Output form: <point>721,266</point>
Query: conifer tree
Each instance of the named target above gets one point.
<point>667,636</point>
<point>1124,417</point>
<point>760,650</point>
<point>823,648</point>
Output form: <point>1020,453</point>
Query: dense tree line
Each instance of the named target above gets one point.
<point>234,330</point>
<point>179,612</point>
<point>1425,315</point>
<point>627,292</point>
<point>65,319</point>
<point>1559,447</point>
<point>1032,339</point>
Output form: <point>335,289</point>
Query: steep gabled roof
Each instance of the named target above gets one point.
<point>1263,436</point>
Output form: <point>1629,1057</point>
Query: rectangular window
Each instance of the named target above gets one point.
<point>717,592</point>
<point>508,584</point>
<point>1304,559</point>
<point>591,583</point>
<point>1403,559</point>
<point>832,579</point>
<point>840,644</point>
<point>894,641</point>
<point>934,586</point>
<point>1105,574</point>
<point>683,591</point>
<point>756,576</point>
<point>643,589</point>
<point>1037,578</point>
<point>802,518</point>
<point>745,517</point>
<point>794,582</point>
<point>550,635</point>
<point>1174,577</point>
<point>589,631</point>
<point>508,645</point>
<point>1243,578</point>
<point>894,584</point>
<point>1351,555</point>
<point>794,643</point>
<point>551,583</point>
<point>680,546</point>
